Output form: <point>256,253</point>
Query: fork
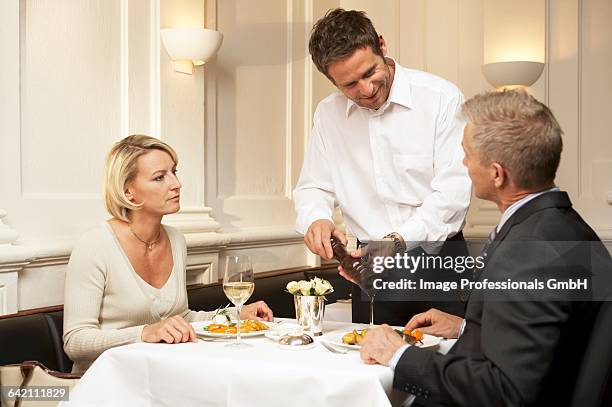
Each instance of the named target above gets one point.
<point>332,349</point>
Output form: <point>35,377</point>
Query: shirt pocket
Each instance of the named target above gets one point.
<point>415,173</point>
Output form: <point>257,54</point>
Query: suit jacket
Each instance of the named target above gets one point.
<point>519,348</point>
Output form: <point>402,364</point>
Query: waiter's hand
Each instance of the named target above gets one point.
<point>356,255</point>
<point>317,237</point>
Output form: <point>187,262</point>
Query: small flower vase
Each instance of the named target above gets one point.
<point>309,311</point>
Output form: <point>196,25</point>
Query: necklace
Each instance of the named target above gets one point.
<point>148,244</point>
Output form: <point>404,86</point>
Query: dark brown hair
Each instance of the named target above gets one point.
<point>338,34</point>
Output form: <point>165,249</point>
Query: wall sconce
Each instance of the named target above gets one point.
<point>512,74</point>
<point>190,46</point>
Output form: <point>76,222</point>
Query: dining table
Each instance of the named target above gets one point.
<point>209,373</point>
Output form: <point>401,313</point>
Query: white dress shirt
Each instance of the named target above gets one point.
<point>395,169</point>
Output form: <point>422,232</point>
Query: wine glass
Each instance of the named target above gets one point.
<point>238,285</point>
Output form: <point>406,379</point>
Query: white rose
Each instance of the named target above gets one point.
<point>322,287</point>
<point>293,287</point>
<point>328,286</point>
<point>305,287</point>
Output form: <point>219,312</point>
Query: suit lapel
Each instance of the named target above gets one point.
<point>556,199</point>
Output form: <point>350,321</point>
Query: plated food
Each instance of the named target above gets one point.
<point>356,336</point>
<point>248,328</point>
<point>353,339</point>
<point>411,337</point>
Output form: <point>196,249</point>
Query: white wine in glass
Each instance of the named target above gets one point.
<point>238,285</point>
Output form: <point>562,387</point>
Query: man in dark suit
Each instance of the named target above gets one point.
<point>516,347</point>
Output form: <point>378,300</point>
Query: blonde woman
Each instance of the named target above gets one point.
<point>126,278</point>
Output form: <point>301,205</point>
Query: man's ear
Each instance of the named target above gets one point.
<point>500,175</point>
<point>382,44</point>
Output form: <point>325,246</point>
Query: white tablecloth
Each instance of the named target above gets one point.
<point>209,374</point>
<point>338,312</point>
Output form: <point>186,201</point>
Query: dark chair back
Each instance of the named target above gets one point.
<point>27,337</point>
<point>55,321</point>
<point>594,381</point>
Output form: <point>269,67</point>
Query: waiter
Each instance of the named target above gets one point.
<point>386,149</point>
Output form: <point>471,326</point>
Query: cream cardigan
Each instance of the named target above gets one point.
<point>107,304</point>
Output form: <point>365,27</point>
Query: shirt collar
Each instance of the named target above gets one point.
<point>515,206</point>
<point>400,91</point>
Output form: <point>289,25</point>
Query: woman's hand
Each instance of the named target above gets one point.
<point>257,310</point>
<point>172,330</point>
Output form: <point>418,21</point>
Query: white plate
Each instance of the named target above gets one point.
<point>198,327</point>
<point>335,338</point>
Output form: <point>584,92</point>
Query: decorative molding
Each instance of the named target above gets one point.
<point>40,196</point>
<point>13,257</point>
<point>7,235</point>
<point>289,100</point>
<point>13,267</point>
<point>265,243</point>
<point>210,113</point>
<point>198,274</point>
<point>154,74</point>
<point>124,81</point>
<point>308,67</point>
<point>8,293</point>
<point>193,220</point>
<point>3,299</point>
<point>48,261</point>
<point>260,237</point>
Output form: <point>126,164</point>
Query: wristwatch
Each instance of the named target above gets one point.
<point>398,240</point>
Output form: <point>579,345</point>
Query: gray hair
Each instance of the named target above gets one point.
<point>515,130</point>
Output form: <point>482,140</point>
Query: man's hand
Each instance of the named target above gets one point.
<point>375,248</point>
<point>317,237</point>
<point>258,310</point>
<point>357,255</point>
<point>437,323</point>
<point>380,344</point>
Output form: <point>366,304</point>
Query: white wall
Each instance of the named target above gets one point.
<point>78,76</point>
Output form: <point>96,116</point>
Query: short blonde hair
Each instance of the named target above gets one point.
<point>120,169</point>
<point>514,129</point>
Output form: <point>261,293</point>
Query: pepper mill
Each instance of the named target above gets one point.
<point>354,267</point>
